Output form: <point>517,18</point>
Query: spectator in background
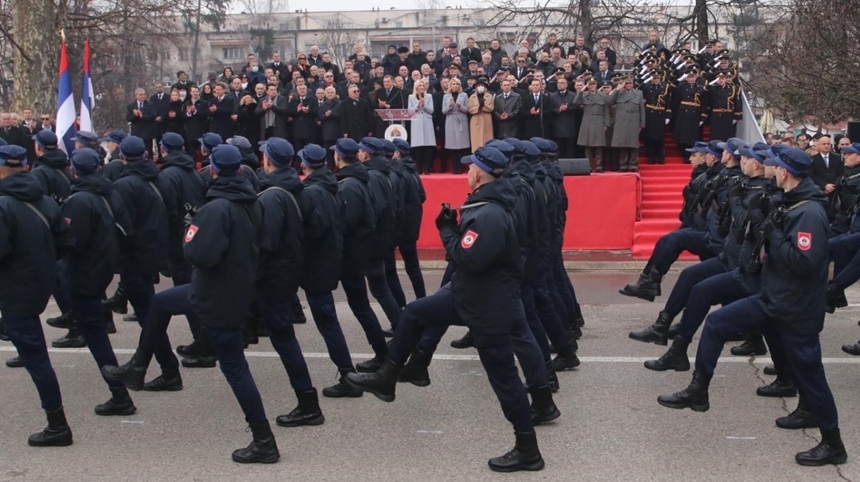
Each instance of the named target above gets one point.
<point>455,107</point>
<point>422,138</point>
<point>481,108</point>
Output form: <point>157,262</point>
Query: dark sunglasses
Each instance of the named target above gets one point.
<point>303,58</point>
<point>46,118</point>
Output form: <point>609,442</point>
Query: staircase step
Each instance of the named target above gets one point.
<point>675,204</point>
<point>662,196</point>
<point>659,213</point>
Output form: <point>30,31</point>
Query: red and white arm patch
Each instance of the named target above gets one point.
<point>804,241</point>
<point>68,221</point>
<point>468,239</point>
<point>189,235</point>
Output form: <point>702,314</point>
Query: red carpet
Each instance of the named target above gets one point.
<point>661,199</point>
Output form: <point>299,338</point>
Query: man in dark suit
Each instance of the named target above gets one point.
<point>565,127</point>
<point>196,120</point>
<point>161,101</point>
<point>272,111</point>
<point>827,166</point>
<point>388,97</point>
<point>303,109</point>
<point>281,69</point>
<point>355,115</point>
<point>471,52</point>
<point>141,114</point>
<point>536,112</point>
<point>182,83</point>
<point>12,133</point>
<point>222,108</point>
<point>603,74</point>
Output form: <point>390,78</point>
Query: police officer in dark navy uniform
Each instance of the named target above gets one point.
<point>671,245</point>
<point>282,251</point>
<point>413,212</point>
<point>398,188</point>
<point>844,244</point>
<point>383,194</point>
<point>146,250</point>
<point>789,309</point>
<point>98,220</point>
<point>111,171</point>
<point>35,236</point>
<point>358,242</point>
<point>208,143</point>
<point>222,244</point>
<point>483,294</point>
<point>324,246</point>
<point>184,191</point>
<point>716,214</point>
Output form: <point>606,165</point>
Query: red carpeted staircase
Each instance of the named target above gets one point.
<point>661,198</point>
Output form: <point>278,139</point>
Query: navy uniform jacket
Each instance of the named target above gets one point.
<point>146,250</point>
<point>222,245</point>
<point>52,172</point>
<point>748,272</point>
<point>846,202</point>
<point>689,216</point>
<point>553,171</point>
<point>525,221</point>
<point>398,185</point>
<point>113,170</point>
<point>794,275</point>
<point>487,260</point>
<point>323,232</point>
<point>249,174</point>
<point>182,186</point>
<point>359,218</point>
<point>736,218</point>
<point>29,247</point>
<point>383,197</point>
<point>715,238</point>
<point>538,221</point>
<point>550,203</point>
<point>413,209</point>
<point>94,258</point>
<point>282,235</point>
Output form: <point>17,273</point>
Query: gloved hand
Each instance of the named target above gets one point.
<point>667,121</point>
<point>754,211</point>
<point>446,217</point>
<point>768,227</point>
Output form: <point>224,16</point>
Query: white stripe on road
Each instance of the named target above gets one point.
<point>363,356</point>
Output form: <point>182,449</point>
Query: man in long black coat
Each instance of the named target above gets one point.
<point>141,114</point>
<point>356,118</point>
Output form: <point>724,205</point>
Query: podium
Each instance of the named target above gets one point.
<point>392,116</point>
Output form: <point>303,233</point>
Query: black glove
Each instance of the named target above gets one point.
<point>768,227</point>
<point>446,217</point>
<point>754,212</point>
<point>738,190</point>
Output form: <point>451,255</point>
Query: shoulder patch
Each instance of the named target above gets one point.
<point>189,235</point>
<point>804,241</point>
<point>468,239</point>
<point>68,221</point>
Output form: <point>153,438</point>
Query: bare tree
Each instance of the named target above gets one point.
<point>337,39</point>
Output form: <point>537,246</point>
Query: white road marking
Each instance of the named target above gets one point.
<point>740,438</point>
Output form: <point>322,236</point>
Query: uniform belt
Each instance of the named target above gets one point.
<point>721,111</point>
<point>655,107</point>
<point>692,104</point>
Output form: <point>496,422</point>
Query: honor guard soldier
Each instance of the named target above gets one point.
<point>789,309</point>
<point>687,104</point>
<point>221,243</point>
<point>658,112</point>
<point>724,107</point>
<point>483,295</point>
<point>35,236</point>
<point>98,220</point>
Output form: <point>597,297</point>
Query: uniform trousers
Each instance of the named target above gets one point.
<point>566,293</point>
<point>566,147</point>
<point>496,351</point>
<point>29,339</point>
<point>800,353</point>
<point>377,282</point>
<point>325,317</point>
<point>681,292</point>
<point>721,289</point>
<point>61,289</point>
<point>409,253</point>
<point>670,246</point>
<point>89,312</point>
<point>277,315</point>
<point>542,316</point>
<point>845,253</point>
<point>355,288</point>
<point>656,150</point>
<point>141,293</point>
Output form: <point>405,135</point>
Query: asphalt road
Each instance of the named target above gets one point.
<point>611,429</point>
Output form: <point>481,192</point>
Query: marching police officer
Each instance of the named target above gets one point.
<point>97,218</point>
<point>113,168</point>
<point>324,248</point>
<point>398,188</point>
<point>789,309</point>
<point>483,294</point>
<point>208,143</point>
<point>413,212</point>
<point>35,236</point>
<point>282,250</point>
<point>222,244</point>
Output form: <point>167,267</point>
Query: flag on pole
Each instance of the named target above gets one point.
<point>87,100</point>
<point>65,105</point>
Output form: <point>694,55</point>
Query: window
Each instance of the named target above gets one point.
<point>231,53</point>
<point>398,24</point>
<point>183,54</point>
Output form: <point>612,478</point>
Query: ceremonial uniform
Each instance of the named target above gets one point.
<point>658,108</point>
<point>723,110</point>
<point>687,104</point>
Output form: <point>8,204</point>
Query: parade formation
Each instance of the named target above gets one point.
<point>246,202</point>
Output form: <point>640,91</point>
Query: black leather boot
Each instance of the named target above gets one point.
<point>672,332</point>
<point>753,346</point>
<point>119,404</point>
<point>674,359</point>
<point>370,366</point>
<point>835,298</point>
<point>769,370</point>
<point>464,342</point>
<point>853,349</point>
<point>262,450</point>
<point>800,418</point>
<point>415,370</point>
<point>64,321</point>
<point>132,374</point>
<point>14,362</point>
<point>647,288</point>
<point>3,335</point>
<point>543,408</point>
<point>342,389</point>
<point>565,361</point>
<point>524,456</point>
<point>552,377</point>
<point>166,382</point>
<point>382,383</point>
<point>117,303</point>
<point>193,350</point>
<point>830,451</point>
<point>73,339</point>
<point>199,361</point>
<point>779,388</point>
<point>130,318</point>
<point>694,397</point>
<point>308,411</point>
<point>56,434</point>
<point>656,333</point>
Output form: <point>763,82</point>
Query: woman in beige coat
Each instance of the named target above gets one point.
<point>481,109</point>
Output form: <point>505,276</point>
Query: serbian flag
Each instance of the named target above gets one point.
<point>65,105</point>
<point>87,100</point>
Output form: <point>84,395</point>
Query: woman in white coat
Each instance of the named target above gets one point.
<point>423,137</point>
<point>455,106</point>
